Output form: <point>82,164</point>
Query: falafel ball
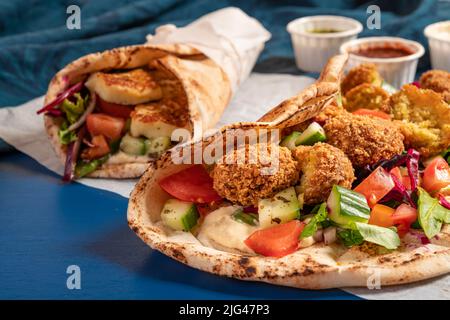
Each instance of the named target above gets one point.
<point>423,118</point>
<point>365,140</point>
<point>244,183</point>
<point>438,81</point>
<point>322,166</point>
<point>364,73</point>
<point>366,96</point>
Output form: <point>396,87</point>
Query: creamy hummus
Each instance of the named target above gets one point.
<point>220,231</point>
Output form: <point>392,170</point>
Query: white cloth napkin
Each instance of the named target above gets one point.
<point>228,36</point>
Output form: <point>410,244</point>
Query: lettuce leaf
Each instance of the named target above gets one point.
<point>431,214</point>
<point>313,225</point>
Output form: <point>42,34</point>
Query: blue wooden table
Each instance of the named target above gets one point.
<point>46,226</point>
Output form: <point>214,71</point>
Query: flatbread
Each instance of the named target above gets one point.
<point>205,84</point>
<point>319,266</point>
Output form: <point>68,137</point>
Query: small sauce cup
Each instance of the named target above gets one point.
<point>316,39</point>
<point>395,58</point>
<point>438,35</point>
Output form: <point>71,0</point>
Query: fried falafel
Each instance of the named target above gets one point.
<point>438,81</point>
<point>322,166</point>
<point>367,96</point>
<point>364,73</point>
<point>424,119</point>
<point>242,181</point>
<point>365,140</point>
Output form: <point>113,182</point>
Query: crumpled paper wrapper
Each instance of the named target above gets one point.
<point>22,128</point>
<point>228,36</point>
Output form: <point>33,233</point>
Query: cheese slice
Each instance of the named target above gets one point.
<point>154,120</point>
<point>128,88</point>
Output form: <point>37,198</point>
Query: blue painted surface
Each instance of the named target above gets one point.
<point>46,225</point>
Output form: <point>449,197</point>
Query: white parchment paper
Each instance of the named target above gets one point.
<point>228,36</point>
<point>22,128</point>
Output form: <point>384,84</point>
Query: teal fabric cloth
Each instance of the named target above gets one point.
<point>35,42</point>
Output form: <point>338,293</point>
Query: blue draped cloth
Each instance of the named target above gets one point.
<point>35,41</point>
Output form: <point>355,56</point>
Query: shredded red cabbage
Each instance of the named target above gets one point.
<point>61,97</point>
<point>250,209</point>
<point>444,202</point>
<point>412,163</point>
<point>399,193</point>
<point>416,83</point>
<point>72,155</point>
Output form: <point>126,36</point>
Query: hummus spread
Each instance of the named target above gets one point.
<point>220,231</point>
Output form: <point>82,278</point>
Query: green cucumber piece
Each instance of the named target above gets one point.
<point>281,208</point>
<point>290,140</point>
<point>244,217</point>
<point>347,206</point>
<point>314,133</point>
<point>132,145</point>
<point>179,215</point>
<point>157,145</point>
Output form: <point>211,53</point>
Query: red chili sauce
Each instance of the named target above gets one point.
<point>393,50</point>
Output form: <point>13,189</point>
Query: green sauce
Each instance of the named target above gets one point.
<point>324,31</point>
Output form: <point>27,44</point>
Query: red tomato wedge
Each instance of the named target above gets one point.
<point>114,109</point>
<point>381,215</point>
<point>436,175</point>
<point>99,149</point>
<point>192,184</point>
<point>276,241</point>
<point>373,113</point>
<point>376,186</point>
<point>403,217</point>
<point>102,124</point>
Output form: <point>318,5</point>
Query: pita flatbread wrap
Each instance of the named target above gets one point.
<point>317,266</point>
<point>190,88</point>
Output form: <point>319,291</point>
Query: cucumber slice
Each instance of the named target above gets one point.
<point>179,215</point>
<point>347,206</point>
<point>158,145</point>
<point>314,133</point>
<point>290,140</point>
<point>283,207</point>
<point>132,145</point>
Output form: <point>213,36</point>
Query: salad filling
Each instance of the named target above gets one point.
<point>118,117</point>
<point>345,178</point>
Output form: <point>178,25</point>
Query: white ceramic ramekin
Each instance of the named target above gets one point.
<point>312,50</point>
<point>438,35</point>
<point>396,71</point>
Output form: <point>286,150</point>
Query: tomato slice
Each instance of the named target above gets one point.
<point>376,186</point>
<point>114,109</point>
<point>102,124</point>
<point>373,113</point>
<point>276,241</point>
<point>192,184</point>
<point>99,149</point>
<point>436,175</point>
<point>381,215</point>
<point>403,217</point>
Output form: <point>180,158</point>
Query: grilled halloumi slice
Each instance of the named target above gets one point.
<point>129,88</point>
<point>156,120</point>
